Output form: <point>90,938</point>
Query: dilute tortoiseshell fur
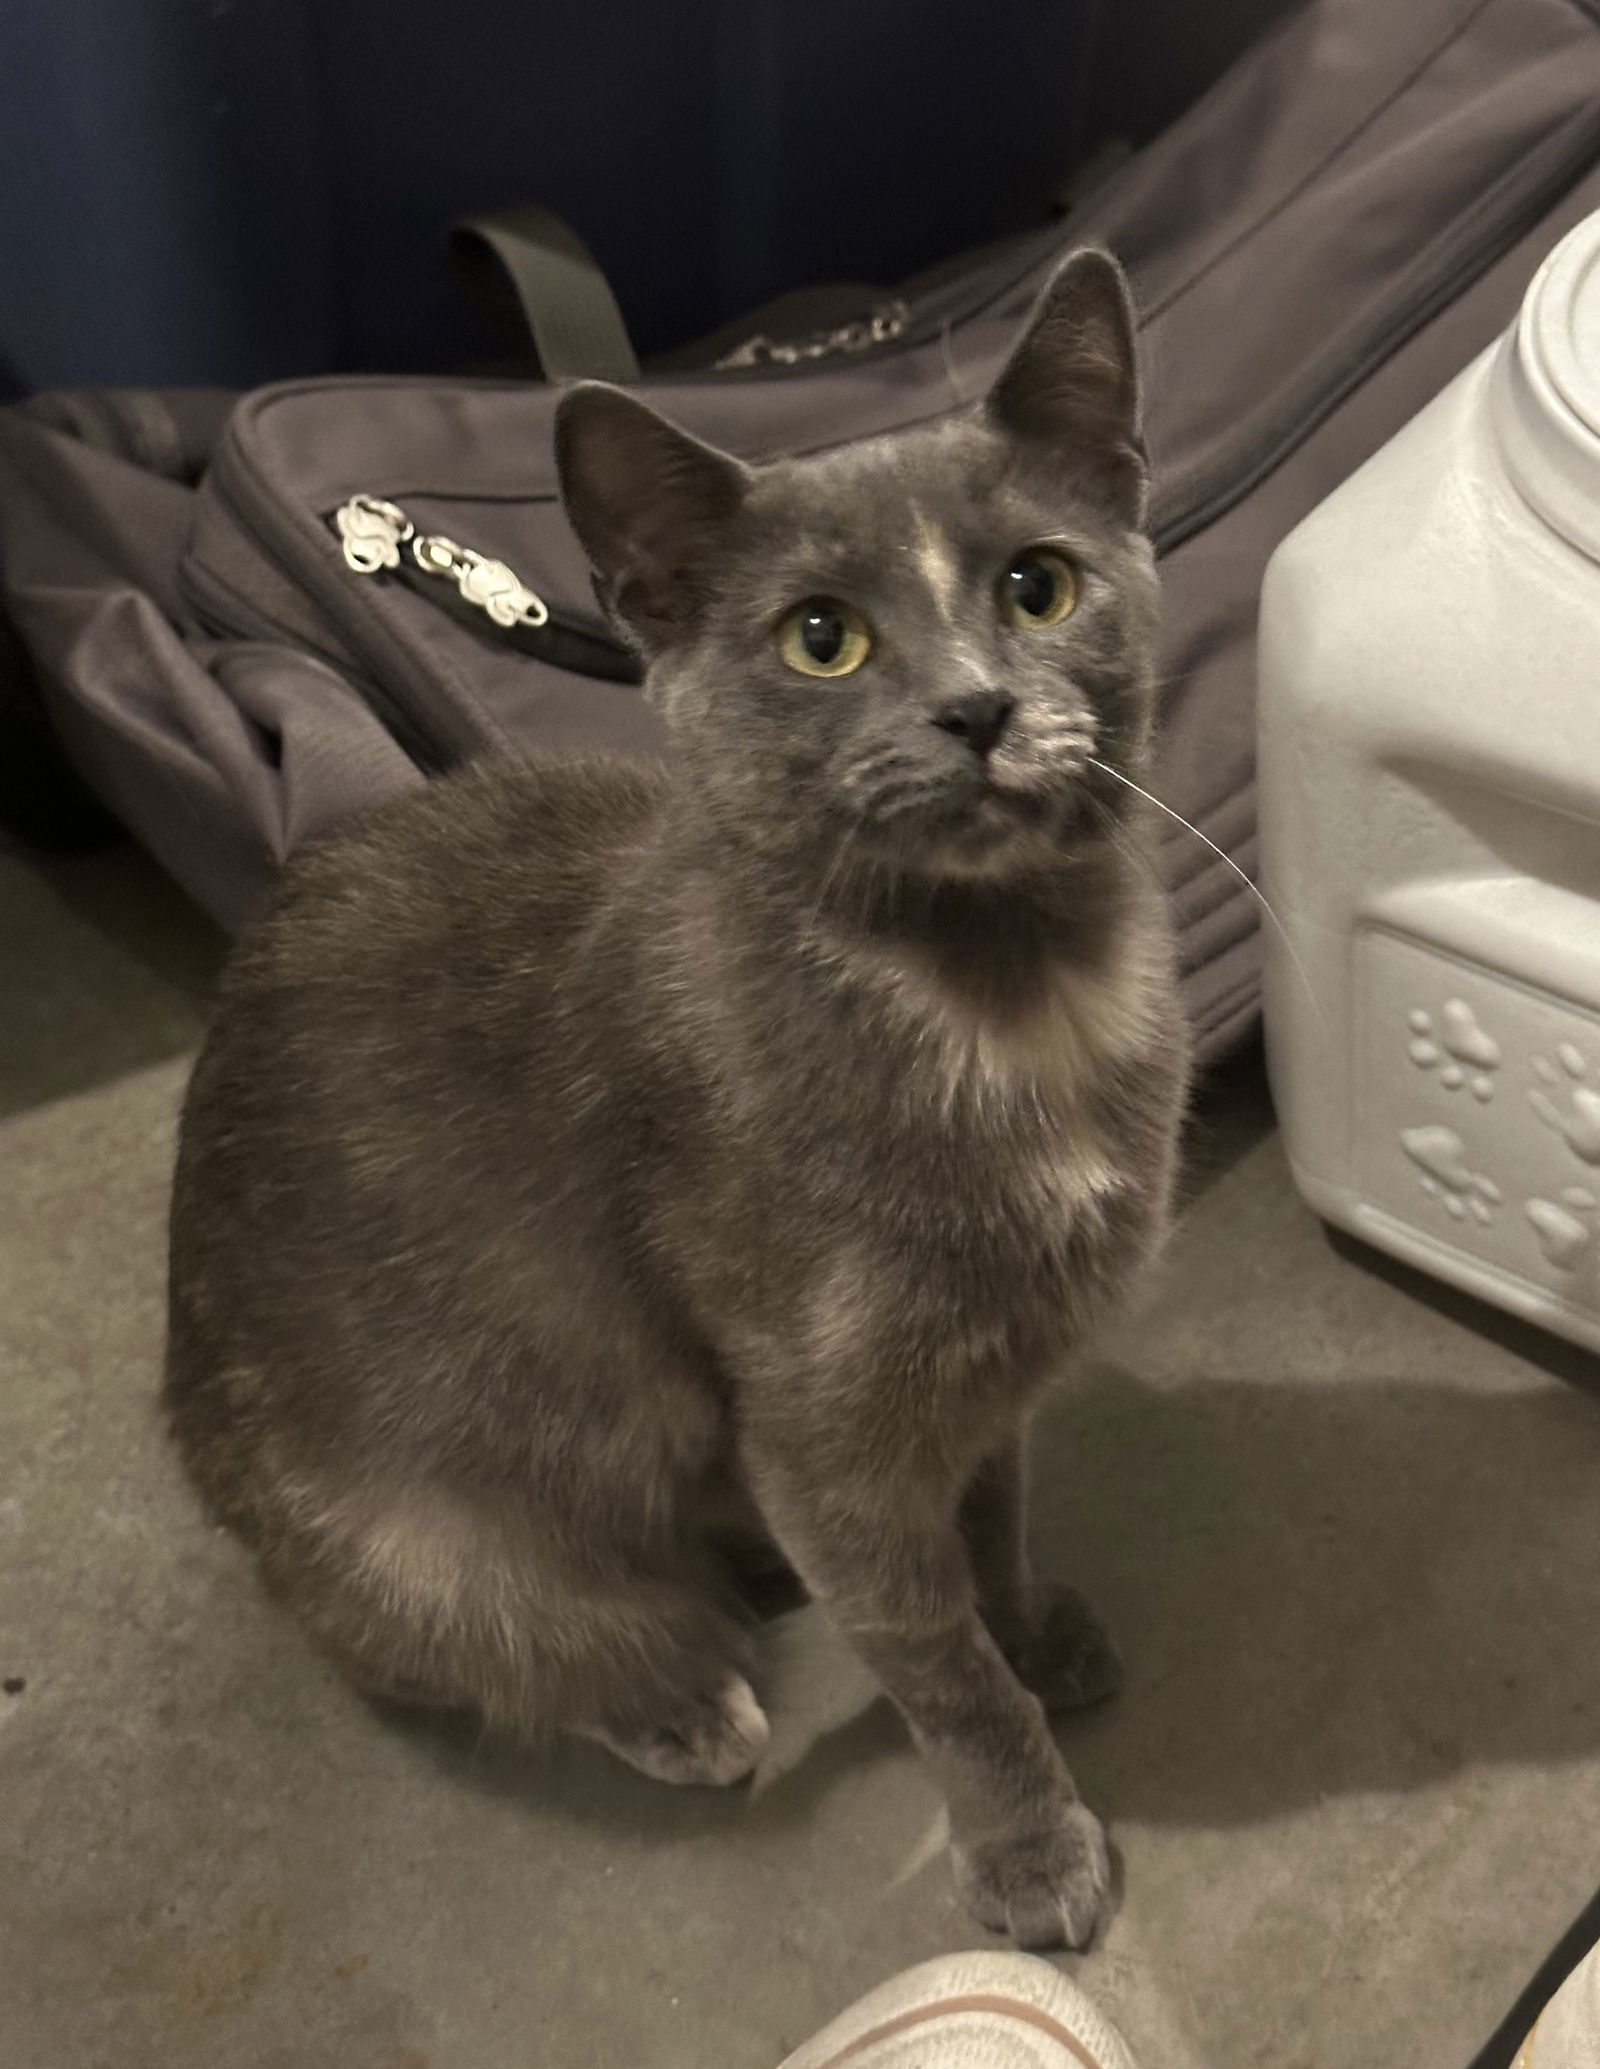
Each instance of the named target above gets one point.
<point>598,1177</point>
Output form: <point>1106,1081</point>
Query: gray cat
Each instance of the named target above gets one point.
<point>600,1180</point>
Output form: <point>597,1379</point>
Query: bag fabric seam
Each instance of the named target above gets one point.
<point>1330,157</point>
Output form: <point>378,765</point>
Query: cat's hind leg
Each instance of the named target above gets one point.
<point>1054,1641</point>
<point>426,1598</point>
<point>713,1735</point>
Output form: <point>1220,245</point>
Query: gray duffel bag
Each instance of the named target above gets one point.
<point>253,616</point>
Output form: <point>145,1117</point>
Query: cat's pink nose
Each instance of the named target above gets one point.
<point>979,717</point>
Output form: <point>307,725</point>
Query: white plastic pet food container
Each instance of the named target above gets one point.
<point>1430,824</point>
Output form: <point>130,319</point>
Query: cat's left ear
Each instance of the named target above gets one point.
<point>649,503</point>
<point>1072,383</point>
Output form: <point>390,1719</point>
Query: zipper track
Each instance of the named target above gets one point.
<point>432,746</point>
<point>1455,260</point>
<point>556,635</point>
<point>1047,241</point>
<point>1457,257</point>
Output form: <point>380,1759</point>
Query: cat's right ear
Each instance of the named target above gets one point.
<point>650,506</point>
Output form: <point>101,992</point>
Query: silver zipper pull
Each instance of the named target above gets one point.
<point>494,588</point>
<point>372,532</point>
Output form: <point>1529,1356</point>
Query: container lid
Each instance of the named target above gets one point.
<point>1546,389</point>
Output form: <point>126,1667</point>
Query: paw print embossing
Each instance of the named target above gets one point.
<point>1441,1157</point>
<point>1565,1227</point>
<point>1469,1053</point>
<point>1577,1121</point>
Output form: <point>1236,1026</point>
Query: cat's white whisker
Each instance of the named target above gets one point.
<point>913,785</point>
<point>1222,856</point>
<point>874,769</point>
<point>899,803</point>
<point>948,357</point>
<point>830,876</point>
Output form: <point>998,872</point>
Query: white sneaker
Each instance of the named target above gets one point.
<point>976,2011</point>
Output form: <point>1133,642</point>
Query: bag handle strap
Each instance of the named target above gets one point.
<point>532,277</point>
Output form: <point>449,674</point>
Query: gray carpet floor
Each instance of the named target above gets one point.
<point>1345,1527</point>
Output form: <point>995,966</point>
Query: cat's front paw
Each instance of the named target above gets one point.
<point>1067,1658</point>
<point>1046,1887</point>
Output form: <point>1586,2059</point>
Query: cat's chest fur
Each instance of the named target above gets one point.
<point>1030,1071</point>
<point>966,1171</point>
<point>1005,1116</point>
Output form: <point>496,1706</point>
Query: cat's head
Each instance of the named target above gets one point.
<point>912,645</point>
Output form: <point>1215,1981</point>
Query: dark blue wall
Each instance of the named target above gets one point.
<point>234,190</point>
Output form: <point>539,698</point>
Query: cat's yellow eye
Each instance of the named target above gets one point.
<point>824,637</point>
<point>1039,589</point>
